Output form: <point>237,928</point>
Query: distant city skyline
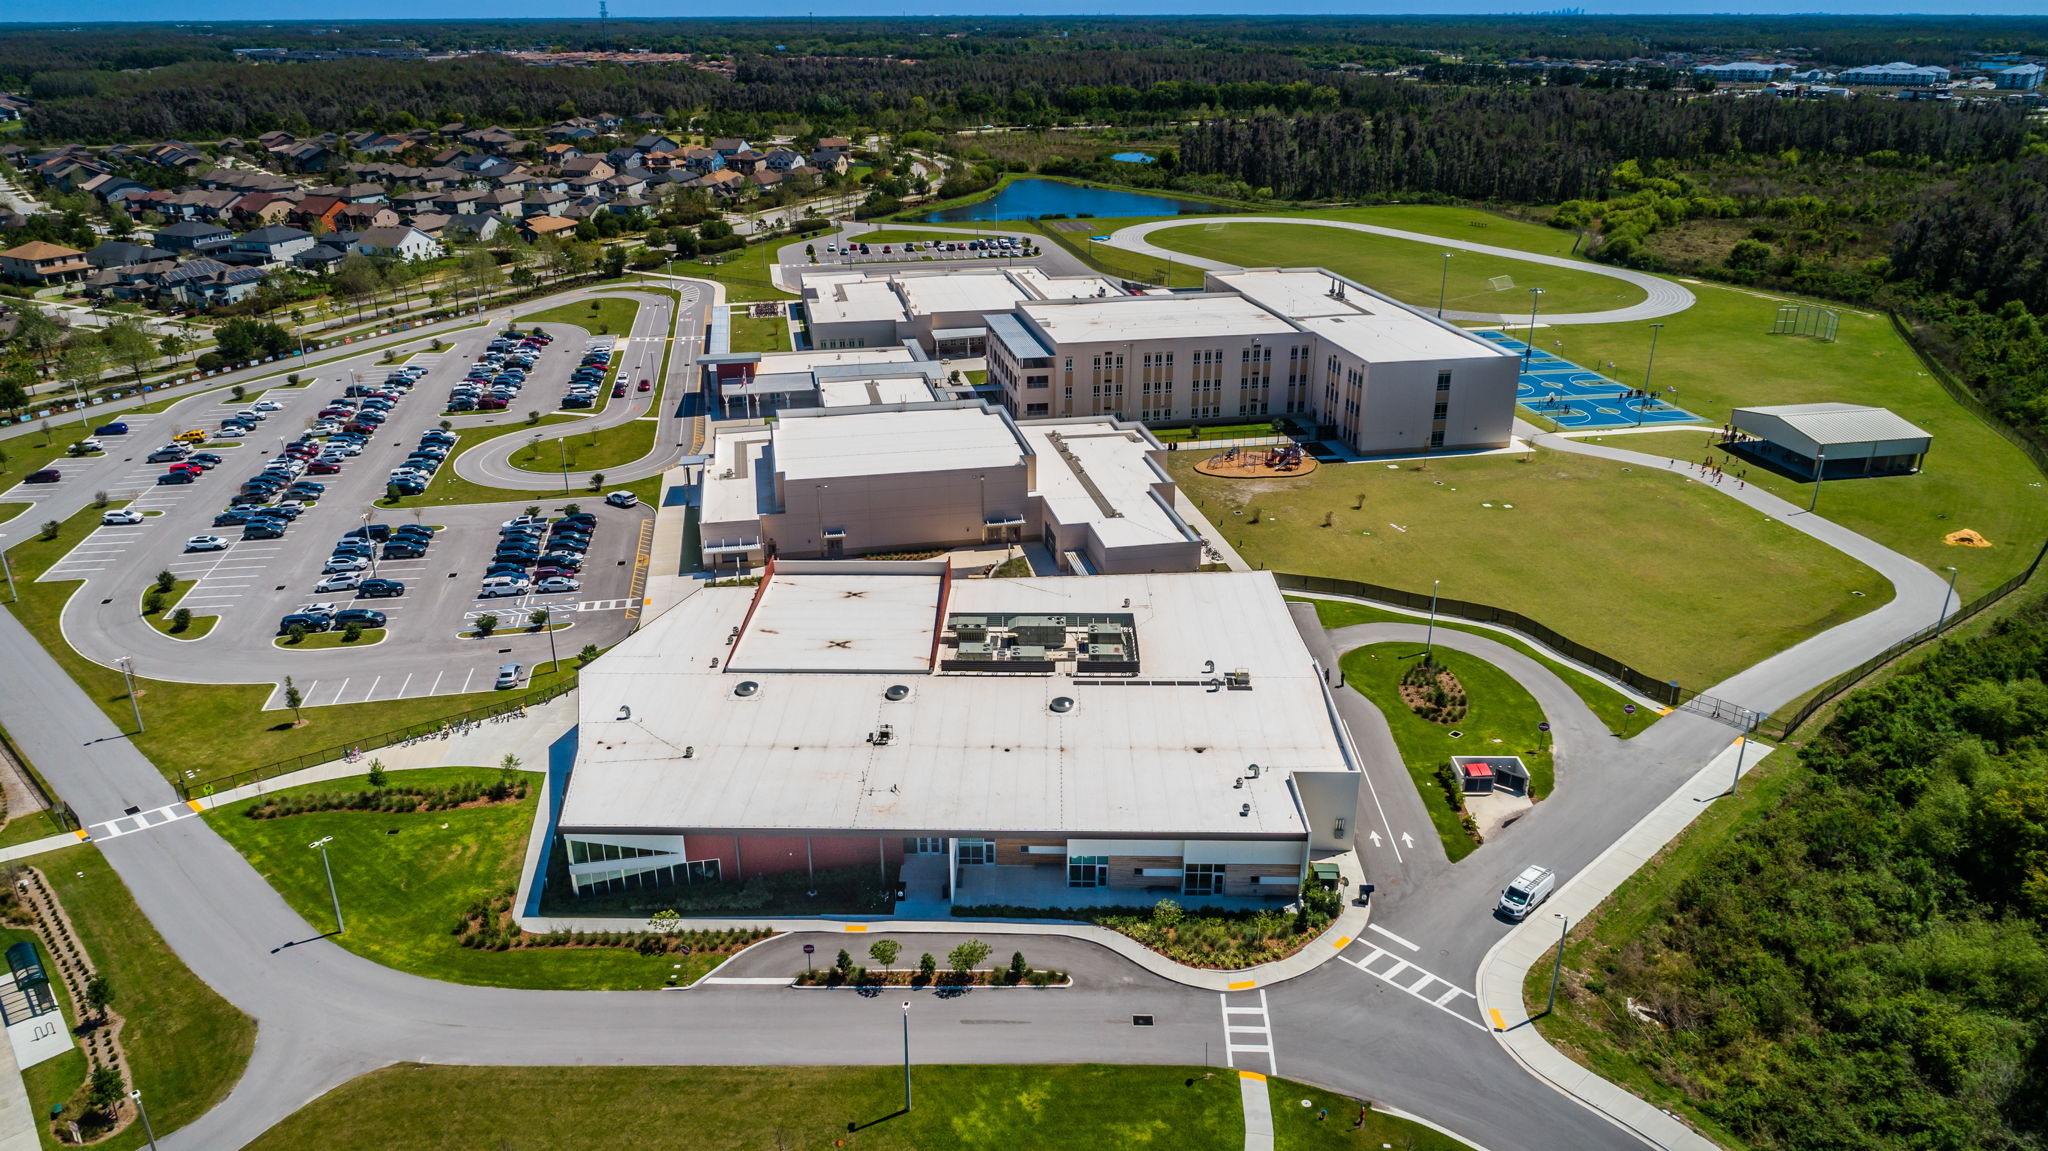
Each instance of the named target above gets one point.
<point>63,12</point>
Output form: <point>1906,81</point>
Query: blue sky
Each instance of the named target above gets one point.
<point>58,11</point>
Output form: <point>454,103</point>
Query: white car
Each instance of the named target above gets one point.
<point>268,406</point>
<point>86,446</point>
<point>206,544</point>
<point>557,583</point>
<point>522,521</point>
<point>339,581</point>
<point>326,428</point>
<point>324,608</point>
<point>249,414</point>
<point>124,516</point>
<point>622,499</point>
<point>510,587</point>
<point>345,564</point>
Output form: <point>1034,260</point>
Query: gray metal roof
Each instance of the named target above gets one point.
<point>1019,340</point>
<point>1831,424</point>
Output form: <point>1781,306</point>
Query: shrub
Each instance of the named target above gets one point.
<point>351,632</point>
<point>181,619</point>
<point>927,967</point>
<point>49,529</point>
<point>486,624</point>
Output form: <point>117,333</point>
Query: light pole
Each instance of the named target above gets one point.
<point>368,542</point>
<point>9,569</point>
<point>1941,620</point>
<point>547,620</point>
<point>906,1055</point>
<point>562,450</point>
<point>818,505</point>
<point>1429,637</point>
<point>1820,468</point>
<point>1529,345</point>
<point>1443,281</point>
<point>142,1111</point>
<point>1655,331</point>
<point>1741,750</point>
<point>128,674</point>
<point>1565,925</point>
<point>321,846</point>
<point>981,482</point>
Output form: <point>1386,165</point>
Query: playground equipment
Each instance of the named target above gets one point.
<point>1259,462</point>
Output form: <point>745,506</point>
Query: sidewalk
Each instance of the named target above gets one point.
<point>1506,966</point>
<point>1334,938</point>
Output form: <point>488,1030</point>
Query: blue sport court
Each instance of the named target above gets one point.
<point>1575,397</point>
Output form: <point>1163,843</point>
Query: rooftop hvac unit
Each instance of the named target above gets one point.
<point>1242,677</point>
<point>974,650</point>
<point>970,627</point>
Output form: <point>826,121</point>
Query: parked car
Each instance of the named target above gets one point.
<point>339,581</point>
<point>508,676</point>
<point>230,518</point>
<point>622,499</point>
<point>378,588</point>
<point>206,544</point>
<point>557,584</point>
<point>45,476</point>
<point>116,428</point>
<point>122,516</point>
<point>359,615</point>
<point>1526,892</point>
<point>175,478</point>
<point>311,621</point>
<point>345,564</point>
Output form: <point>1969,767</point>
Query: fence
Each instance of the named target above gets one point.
<point>65,818</point>
<point>431,727</point>
<point>1667,692</point>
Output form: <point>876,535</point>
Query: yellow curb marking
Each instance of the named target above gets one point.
<point>1342,942</point>
<point>1251,1075</point>
<point>1499,1024</point>
<point>1663,711</point>
<point>196,806</point>
<point>81,834</point>
<point>1241,984</point>
<point>856,927</point>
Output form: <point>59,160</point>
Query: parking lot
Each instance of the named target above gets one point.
<point>251,583</point>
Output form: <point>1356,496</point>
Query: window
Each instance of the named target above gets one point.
<point>1038,381</point>
<point>1201,879</point>
<point>1443,380</point>
<point>1037,410</point>
<point>977,852</point>
<point>1088,871</point>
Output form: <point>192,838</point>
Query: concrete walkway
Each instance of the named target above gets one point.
<point>1350,922</point>
<point>1507,965</point>
<point>1663,297</point>
<point>1258,1111</point>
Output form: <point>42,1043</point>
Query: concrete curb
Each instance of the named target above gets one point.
<point>1507,964</point>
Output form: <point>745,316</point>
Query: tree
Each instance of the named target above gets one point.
<point>884,952</point>
<point>614,262</point>
<point>82,364</point>
<point>181,620</point>
<point>588,654</point>
<point>36,331</point>
<point>927,967</point>
<point>844,964</point>
<point>393,493</point>
<point>173,346</point>
<point>294,634</point>
<point>377,776</point>
<point>964,958</point>
<point>356,281</point>
<point>103,1092</point>
<point>128,344</point>
<point>538,618</point>
<point>351,632</point>
<point>49,529</point>
<point>1019,969</point>
<point>99,994</point>
<point>99,498</point>
<point>486,624</point>
<point>292,698</point>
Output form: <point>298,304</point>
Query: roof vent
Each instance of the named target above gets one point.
<point>625,712</point>
<point>896,692</point>
<point>1062,704</point>
<point>745,688</point>
<point>1244,810</point>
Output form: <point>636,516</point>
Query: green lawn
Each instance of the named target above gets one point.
<point>1219,431</point>
<point>9,511</point>
<point>320,640</point>
<point>27,828</point>
<point>186,1045</point>
<point>161,621</point>
<point>449,488</point>
<point>606,316</point>
<point>1502,721</point>
<point>759,333</point>
<point>1720,356</point>
<point>1114,262</point>
<point>743,271</point>
<point>1605,701</point>
<point>990,1108</point>
<point>404,879</point>
<point>905,235</point>
<point>211,729</point>
<point>1653,570</point>
<point>1407,270</point>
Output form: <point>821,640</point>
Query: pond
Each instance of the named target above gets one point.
<point>1024,198</point>
<point>1133,157</point>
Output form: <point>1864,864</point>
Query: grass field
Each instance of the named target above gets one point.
<point>1110,261</point>
<point>1407,270</point>
<point>1604,701</point>
<point>403,879</point>
<point>1719,355</point>
<point>211,729</point>
<point>743,271</point>
<point>186,1045</point>
<point>607,316</point>
<point>1082,1107</point>
<point>1502,721</point>
<point>1651,569</point>
<point>27,827</point>
<point>759,333</point>
<point>9,511</point>
<point>1220,431</point>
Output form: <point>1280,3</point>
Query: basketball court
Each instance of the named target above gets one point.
<point>1577,398</point>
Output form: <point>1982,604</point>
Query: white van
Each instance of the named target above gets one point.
<point>503,586</point>
<point>1528,890</point>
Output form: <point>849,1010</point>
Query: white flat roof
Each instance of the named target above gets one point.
<point>1375,330</point>
<point>812,360</point>
<point>839,623</point>
<point>1115,461</point>
<point>1153,318</point>
<point>851,300</point>
<point>1063,287</point>
<point>731,491</point>
<point>1158,754</point>
<point>893,442</point>
<point>854,393</point>
<point>959,292</point>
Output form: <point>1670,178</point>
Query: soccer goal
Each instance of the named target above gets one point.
<point>1214,225</point>
<point>1806,320</point>
<point>1501,283</point>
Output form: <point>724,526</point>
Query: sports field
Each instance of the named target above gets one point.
<point>1407,270</point>
<point>1653,570</point>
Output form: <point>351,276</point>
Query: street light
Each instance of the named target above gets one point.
<point>1941,620</point>
<point>1443,282</point>
<point>142,1111</point>
<point>818,505</point>
<point>1741,750</point>
<point>1529,345</point>
<point>1655,331</point>
<point>368,514</point>
<point>127,665</point>
<point>1820,467</point>
<point>1565,925</point>
<point>906,1055</point>
<point>9,569</point>
<point>321,846</point>
<point>1429,637</point>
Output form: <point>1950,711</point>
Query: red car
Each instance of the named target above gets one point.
<point>646,386</point>
<point>322,469</point>
<point>193,469</point>
<point>618,390</point>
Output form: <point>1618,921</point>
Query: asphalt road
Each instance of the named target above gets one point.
<point>1664,296</point>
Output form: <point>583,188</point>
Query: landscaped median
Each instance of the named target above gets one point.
<point>960,972</point>
<point>425,862</point>
<point>1215,939</point>
<point>1080,1107</point>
